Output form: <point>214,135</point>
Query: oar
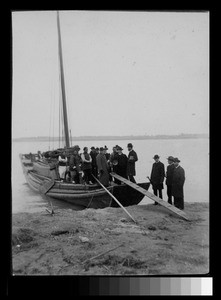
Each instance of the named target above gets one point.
<point>105,252</point>
<point>114,199</point>
<point>149,178</point>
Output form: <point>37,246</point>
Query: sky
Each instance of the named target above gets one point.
<point>126,72</point>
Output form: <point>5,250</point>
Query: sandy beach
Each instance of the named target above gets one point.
<point>107,242</point>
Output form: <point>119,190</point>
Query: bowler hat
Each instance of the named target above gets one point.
<point>92,148</point>
<point>97,148</point>
<point>101,148</point>
<point>119,148</point>
<point>85,148</point>
<point>156,156</point>
<point>129,145</point>
<point>170,158</point>
<point>176,159</point>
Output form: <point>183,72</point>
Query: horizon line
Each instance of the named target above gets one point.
<point>113,136</point>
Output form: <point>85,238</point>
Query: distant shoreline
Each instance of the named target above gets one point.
<point>112,138</point>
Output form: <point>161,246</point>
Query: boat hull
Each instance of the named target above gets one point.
<point>84,196</point>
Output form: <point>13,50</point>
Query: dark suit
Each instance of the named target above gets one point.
<point>157,178</point>
<point>93,155</point>
<point>169,178</point>
<point>113,157</point>
<point>102,167</point>
<point>177,187</point>
<point>132,158</point>
<point>74,163</point>
<point>121,167</point>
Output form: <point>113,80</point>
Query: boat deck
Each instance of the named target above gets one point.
<point>93,196</point>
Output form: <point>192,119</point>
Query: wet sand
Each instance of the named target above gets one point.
<point>107,242</point>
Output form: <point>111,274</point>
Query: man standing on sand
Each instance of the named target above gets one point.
<point>177,184</point>
<point>132,158</point>
<point>157,177</point>
<point>102,167</point>
<point>169,177</point>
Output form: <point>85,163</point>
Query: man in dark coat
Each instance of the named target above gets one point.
<point>97,150</point>
<point>113,162</point>
<point>177,184</point>
<point>86,165</point>
<point>157,176</point>
<point>121,166</point>
<point>132,158</point>
<point>107,155</point>
<point>93,155</point>
<point>102,167</point>
<point>169,177</point>
<point>75,165</point>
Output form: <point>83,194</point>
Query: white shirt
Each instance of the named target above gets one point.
<point>62,159</point>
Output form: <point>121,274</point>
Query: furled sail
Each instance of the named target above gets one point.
<point>65,118</point>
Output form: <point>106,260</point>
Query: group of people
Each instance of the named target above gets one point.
<point>87,167</point>
<point>98,163</point>
<point>175,178</point>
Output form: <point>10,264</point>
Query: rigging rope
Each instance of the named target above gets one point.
<point>61,118</point>
<point>50,124</point>
<point>62,121</point>
<point>53,96</point>
<point>67,97</point>
<point>59,122</point>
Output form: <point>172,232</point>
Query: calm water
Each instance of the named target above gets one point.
<point>193,153</point>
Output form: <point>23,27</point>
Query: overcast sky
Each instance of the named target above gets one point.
<point>126,73</point>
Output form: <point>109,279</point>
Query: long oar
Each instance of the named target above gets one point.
<point>114,199</point>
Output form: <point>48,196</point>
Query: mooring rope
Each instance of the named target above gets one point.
<point>90,201</point>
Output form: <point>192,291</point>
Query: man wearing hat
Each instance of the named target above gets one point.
<point>113,156</point>
<point>132,158</point>
<point>169,177</point>
<point>75,165</point>
<point>113,162</point>
<point>62,165</point>
<point>86,165</point>
<point>177,184</point>
<point>157,177</point>
<point>93,155</point>
<point>107,155</point>
<point>121,166</point>
<point>102,167</point>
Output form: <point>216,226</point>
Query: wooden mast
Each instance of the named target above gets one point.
<point>66,131</point>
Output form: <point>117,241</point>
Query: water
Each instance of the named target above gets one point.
<point>193,153</point>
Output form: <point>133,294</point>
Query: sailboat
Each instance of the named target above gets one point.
<point>41,175</point>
